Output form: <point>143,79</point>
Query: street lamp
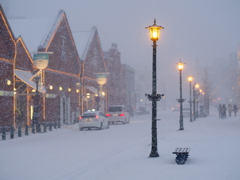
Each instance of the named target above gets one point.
<point>36,113</point>
<point>181,100</point>
<point>195,86</point>
<point>197,100</point>
<point>190,78</point>
<point>101,79</point>
<point>154,35</point>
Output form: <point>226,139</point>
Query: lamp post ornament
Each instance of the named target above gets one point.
<point>154,97</point>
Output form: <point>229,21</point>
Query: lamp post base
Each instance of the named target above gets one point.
<point>154,154</point>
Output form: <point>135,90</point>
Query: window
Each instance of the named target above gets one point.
<point>88,115</point>
<point>101,114</point>
<point>115,109</point>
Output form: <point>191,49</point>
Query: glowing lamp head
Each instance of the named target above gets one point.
<point>197,86</point>
<point>180,66</point>
<point>200,90</point>
<point>60,88</point>
<point>88,95</point>
<point>154,31</point>
<point>190,78</point>
<point>8,82</point>
<point>103,93</point>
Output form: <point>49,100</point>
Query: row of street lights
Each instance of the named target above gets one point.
<point>196,93</point>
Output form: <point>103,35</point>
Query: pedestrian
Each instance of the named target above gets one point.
<point>220,111</point>
<point>235,109</point>
<point>224,109</point>
<point>229,109</point>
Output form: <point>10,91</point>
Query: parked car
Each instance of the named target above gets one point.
<point>93,119</point>
<point>118,113</point>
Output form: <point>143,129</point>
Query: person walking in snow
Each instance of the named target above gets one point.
<point>220,111</point>
<point>235,109</point>
<point>229,109</point>
<point>224,109</point>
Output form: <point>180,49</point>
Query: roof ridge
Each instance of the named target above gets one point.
<point>46,39</point>
<point>92,32</point>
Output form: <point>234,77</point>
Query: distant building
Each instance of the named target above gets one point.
<point>121,80</point>
<point>128,85</point>
<point>112,59</point>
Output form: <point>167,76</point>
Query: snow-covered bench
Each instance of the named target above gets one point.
<point>182,155</point>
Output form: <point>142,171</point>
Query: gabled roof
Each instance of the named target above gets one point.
<point>10,45</point>
<point>47,38</point>
<point>83,41</point>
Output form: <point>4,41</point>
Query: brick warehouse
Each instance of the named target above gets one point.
<point>60,88</point>
<point>7,57</point>
<point>68,85</point>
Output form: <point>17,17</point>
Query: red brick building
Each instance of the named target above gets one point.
<point>128,85</point>
<point>67,86</point>
<point>59,90</point>
<point>91,55</point>
<point>7,57</point>
<point>62,76</point>
<point>121,81</point>
<point>113,63</point>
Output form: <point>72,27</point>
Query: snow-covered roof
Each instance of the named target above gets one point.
<point>83,40</point>
<point>46,39</point>
<point>35,32</point>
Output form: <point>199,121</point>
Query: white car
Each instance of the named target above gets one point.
<point>118,113</point>
<point>93,119</point>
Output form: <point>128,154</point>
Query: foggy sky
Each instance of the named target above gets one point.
<point>203,30</point>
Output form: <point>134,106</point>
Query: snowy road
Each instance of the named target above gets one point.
<point>121,152</point>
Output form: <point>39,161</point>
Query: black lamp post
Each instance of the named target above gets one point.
<point>197,101</point>
<point>98,105</point>
<point>181,100</point>
<point>154,97</point>
<point>190,78</point>
<point>101,79</point>
<point>36,109</point>
<point>194,100</point>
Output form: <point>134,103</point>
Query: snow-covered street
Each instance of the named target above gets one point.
<point>122,151</point>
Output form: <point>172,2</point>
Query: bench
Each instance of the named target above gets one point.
<point>182,155</point>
